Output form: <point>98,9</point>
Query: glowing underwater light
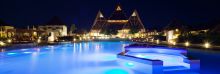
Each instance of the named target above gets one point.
<point>140,55</point>
<point>116,71</point>
<point>27,52</point>
<point>24,49</point>
<point>11,53</point>
<point>101,57</point>
<point>50,46</point>
<point>129,64</point>
<point>109,58</point>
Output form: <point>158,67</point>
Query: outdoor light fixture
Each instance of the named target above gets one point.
<point>2,43</point>
<point>9,40</point>
<point>38,41</point>
<point>117,21</point>
<point>152,40</point>
<point>74,39</point>
<point>187,43</point>
<point>207,45</point>
<point>157,41</point>
<point>130,37</point>
<point>51,38</point>
<point>174,43</point>
<point>34,33</point>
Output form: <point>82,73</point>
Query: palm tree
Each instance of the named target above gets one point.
<point>72,29</point>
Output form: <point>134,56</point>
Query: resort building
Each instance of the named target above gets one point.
<point>4,27</point>
<point>152,33</point>
<point>55,28</point>
<point>173,30</point>
<point>26,35</point>
<point>118,24</point>
<point>205,28</point>
<point>8,32</point>
<point>197,32</point>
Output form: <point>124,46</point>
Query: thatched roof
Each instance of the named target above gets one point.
<point>118,14</point>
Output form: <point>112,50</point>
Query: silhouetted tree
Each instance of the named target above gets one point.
<point>72,28</point>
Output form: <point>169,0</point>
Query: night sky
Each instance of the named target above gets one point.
<point>154,13</point>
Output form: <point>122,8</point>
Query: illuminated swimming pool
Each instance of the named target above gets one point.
<point>159,59</point>
<point>69,58</point>
<point>76,58</point>
<point>170,57</point>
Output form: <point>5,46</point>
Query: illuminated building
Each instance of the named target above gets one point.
<point>124,33</point>
<point>4,27</point>
<point>173,30</point>
<point>152,32</point>
<point>197,32</point>
<point>21,35</point>
<point>9,34</point>
<point>55,28</point>
<point>118,24</point>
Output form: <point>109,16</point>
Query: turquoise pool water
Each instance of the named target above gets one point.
<point>69,58</point>
<point>171,57</point>
<point>75,58</point>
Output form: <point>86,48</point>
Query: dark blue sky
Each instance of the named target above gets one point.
<point>154,13</point>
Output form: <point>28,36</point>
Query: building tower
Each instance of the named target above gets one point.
<point>118,24</point>
<point>135,23</point>
<point>98,24</point>
<point>116,21</point>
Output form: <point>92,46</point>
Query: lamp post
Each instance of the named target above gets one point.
<point>158,41</point>
<point>187,43</point>
<point>207,45</point>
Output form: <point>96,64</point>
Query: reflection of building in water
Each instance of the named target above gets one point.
<point>118,24</point>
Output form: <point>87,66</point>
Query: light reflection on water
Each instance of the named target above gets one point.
<point>168,60</point>
<point>76,58</point>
